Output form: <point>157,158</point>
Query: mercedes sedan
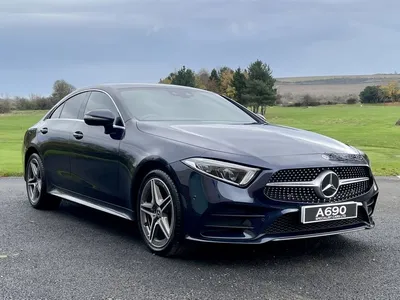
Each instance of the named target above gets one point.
<point>188,164</point>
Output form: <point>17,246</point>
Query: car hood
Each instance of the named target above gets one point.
<point>260,140</point>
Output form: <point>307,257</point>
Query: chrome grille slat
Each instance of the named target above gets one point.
<point>313,183</point>
<point>298,185</point>
<point>309,174</point>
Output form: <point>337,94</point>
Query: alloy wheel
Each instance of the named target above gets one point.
<point>34,181</point>
<point>157,214</point>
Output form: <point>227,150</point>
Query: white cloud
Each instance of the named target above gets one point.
<point>202,19</point>
<point>294,36</point>
<point>144,13</point>
<point>73,20</point>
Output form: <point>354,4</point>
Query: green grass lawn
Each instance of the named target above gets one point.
<point>12,129</point>
<point>369,128</point>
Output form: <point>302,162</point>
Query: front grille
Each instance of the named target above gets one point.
<point>290,223</point>
<point>307,194</point>
<point>309,174</point>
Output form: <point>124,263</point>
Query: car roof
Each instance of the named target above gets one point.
<point>116,86</point>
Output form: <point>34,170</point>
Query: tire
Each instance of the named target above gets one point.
<point>153,212</point>
<point>36,185</point>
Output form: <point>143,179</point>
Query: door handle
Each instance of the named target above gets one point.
<point>78,135</point>
<point>44,130</point>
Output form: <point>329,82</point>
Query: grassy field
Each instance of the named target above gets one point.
<point>370,128</point>
<point>331,86</point>
<point>354,78</point>
<point>12,129</point>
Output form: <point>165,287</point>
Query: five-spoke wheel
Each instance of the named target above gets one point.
<point>34,181</point>
<point>159,213</point>
<point>35,178</point>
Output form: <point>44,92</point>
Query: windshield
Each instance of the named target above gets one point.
<point>180,104</point>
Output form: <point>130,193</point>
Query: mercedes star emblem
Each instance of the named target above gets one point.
<point>328,184</point>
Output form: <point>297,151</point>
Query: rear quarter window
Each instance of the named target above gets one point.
<point>56,114</point>
<point>72,106</point>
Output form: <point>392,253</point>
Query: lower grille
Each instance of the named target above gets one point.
<point>232,222</point>
<point>290,223</point>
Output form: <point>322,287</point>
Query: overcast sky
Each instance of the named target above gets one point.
<point>95,41</point>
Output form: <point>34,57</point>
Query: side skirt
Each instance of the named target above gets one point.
<point>93,203</point>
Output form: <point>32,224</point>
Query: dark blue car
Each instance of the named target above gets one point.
<point>188,164</point>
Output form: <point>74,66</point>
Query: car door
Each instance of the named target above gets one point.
<point>54,139</point>
<point>95,159</point>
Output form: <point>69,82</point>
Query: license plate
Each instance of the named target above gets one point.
<point>328,212</point>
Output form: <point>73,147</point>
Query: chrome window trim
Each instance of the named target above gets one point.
<point>48,115</point>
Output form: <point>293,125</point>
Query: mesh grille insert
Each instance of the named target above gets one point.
<point>307,194</point>
<point>290,223</point>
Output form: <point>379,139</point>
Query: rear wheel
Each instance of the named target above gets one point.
<point>36,185</point>
<point>159,214</point>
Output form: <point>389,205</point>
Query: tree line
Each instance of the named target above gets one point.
<point>61,88</point>
<point>253,87</point>
<point>381,93</point>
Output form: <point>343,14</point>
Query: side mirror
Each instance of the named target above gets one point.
<point>99,117</point>
<point>262,117</point>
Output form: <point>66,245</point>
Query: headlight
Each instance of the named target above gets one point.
<point>232,173</point>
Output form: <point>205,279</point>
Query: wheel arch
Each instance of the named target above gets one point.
<point>145,166</point>
<point>29,151</point>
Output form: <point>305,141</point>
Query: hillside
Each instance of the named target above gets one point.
<point>329,88</point>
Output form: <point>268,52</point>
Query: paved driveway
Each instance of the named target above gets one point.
<point>78,253</point>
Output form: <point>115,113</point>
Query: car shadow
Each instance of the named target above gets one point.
<point>113,225</point>
<point>318,248</point>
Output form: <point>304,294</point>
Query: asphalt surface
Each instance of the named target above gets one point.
<point>78,253</point>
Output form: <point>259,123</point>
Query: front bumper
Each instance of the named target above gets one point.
<point>283,224</point>
<point>217,212</point>
<point>266,239</point>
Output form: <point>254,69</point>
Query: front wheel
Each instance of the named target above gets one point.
<point>36,185</point>
<point>159,214</point>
